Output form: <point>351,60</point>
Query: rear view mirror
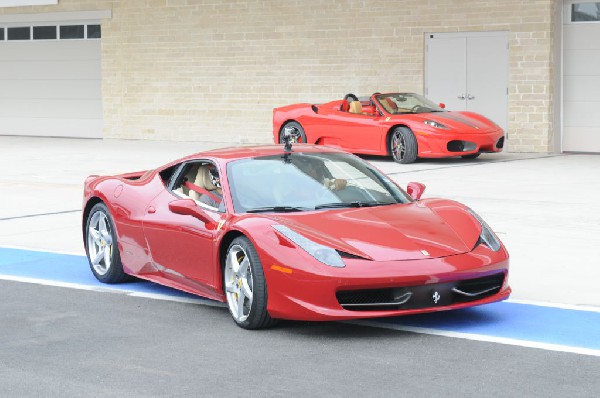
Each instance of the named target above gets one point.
<point>415,190</point>
<point>188,207</point>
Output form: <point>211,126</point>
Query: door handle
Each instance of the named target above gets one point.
<point>151,210</point>
<point>470,97</point>
<point>461,97</point>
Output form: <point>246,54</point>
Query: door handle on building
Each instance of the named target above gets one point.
<point>470,97</point>
<point>461,97</point>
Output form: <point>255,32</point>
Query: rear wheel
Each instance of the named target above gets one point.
<point>101,246</point>
<point>471,156</point>
<point>298,135</point>
<point>403,145</point>
<point>245,286</point>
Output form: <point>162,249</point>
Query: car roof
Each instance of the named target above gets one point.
<point>226,155</point>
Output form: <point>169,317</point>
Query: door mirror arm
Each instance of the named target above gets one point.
<point>188,207</point>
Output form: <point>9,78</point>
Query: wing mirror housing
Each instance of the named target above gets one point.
<point>442,105</point>
<point>188,207</point>
<point>415,190</point>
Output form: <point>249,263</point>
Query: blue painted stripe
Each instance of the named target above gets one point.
<point>526,322</point>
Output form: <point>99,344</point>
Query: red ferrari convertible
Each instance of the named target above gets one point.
<point>309,233</point>
<point>402,125</point>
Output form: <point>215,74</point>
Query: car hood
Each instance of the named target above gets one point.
<point>411,231</point>
<point>466,122</point>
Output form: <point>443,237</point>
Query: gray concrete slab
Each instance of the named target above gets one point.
<point>544,207</point>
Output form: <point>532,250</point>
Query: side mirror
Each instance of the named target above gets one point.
<point>415,190</point>
<point>442,105</point>
<point>188,207</point>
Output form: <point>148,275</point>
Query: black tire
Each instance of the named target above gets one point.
<point>471,156</point>
<point>403,145</point>
<point>108,269</point>
<point>257,317</point>
<point>300,135</point>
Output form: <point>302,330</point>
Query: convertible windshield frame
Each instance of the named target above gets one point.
<point>308,181</point>
<point>406,103</point>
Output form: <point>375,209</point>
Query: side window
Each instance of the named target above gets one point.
<point>167,173</point>
<point>200,181</point>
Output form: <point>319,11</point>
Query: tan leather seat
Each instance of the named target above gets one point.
<point>202,180</point>
<point>355,107</point>
<point>389,105</point>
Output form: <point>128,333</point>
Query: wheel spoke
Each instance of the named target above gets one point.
<point>246,290</point>
<point>107,256</point>
<point>231,287</point>
<point>240,306</point>
<point>233,262</point>
<point>102,225</point>
<point>95,235</point>
<point>243,270</point>
<point>98,257</point>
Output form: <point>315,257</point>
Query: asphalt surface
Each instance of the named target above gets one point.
<point>68,343</point>
<point>62,342</point>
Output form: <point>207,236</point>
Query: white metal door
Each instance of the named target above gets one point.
<point>468,71</point>
<point>50,88</point>
<point>581,82</point>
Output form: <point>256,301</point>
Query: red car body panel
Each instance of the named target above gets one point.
<point>425,242</point>
<point>368,133</point>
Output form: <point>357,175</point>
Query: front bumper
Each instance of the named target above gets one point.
<point>322,292</point>
<point>444,145</point>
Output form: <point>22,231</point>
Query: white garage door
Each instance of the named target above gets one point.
<point>50,80</point>
<point>581,77</point>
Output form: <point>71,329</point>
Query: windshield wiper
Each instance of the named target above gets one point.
<point>352,204</point>
<point>277,209</point>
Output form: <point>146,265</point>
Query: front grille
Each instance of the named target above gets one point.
<point>422,296</point>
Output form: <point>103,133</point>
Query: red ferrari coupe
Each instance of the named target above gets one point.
<point>402,125</point>
<point>309,233</point>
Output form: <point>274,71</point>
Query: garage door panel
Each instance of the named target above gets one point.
<point>49,108</point>
<point>42,50</point>
<point>583,114</point>
<point>581,37</point>
<point>72,70</point>
<point>51,88</point>
<point>51,127</point>
<point>577,88</point>
<point>581,62</point>
<point>581,87</point>
<point>581,139</point>
<point>47,89</point>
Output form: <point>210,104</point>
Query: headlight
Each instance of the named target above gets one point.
<point>435,124</point>
<point>324,254</point>
<point>487,237</point>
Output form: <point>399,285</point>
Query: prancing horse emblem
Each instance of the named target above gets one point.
<point>436,297</point>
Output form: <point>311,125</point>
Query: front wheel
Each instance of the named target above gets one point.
<point>245,286</point>
<point>101,246</point>
<point>403,145</point>
<point>298,134</point>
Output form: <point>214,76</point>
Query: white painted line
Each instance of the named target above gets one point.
<point>108,289</point>
<point>575,307</point>
<point>480,337</point>
<point>81,253</point>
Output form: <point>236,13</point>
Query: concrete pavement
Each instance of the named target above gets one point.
<point>544,207</point>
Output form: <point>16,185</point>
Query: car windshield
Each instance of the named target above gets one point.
<point>308,181</point>
<point>400,103</point>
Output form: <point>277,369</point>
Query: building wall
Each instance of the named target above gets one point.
<point>212,70</point>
